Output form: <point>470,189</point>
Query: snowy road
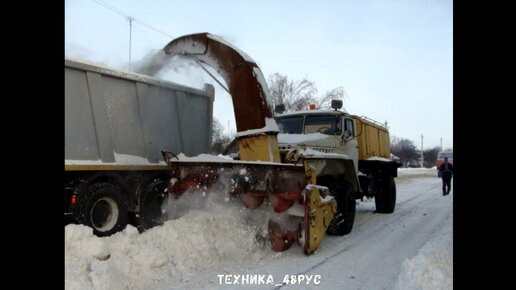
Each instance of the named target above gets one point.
<point>409,249</point>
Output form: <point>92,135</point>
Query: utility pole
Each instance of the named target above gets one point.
<point>130,19</point>
<point>422,151</point>
<point>441,143</point>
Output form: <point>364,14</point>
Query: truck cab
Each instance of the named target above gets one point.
<point>327,131</point>
<point>335,133</point>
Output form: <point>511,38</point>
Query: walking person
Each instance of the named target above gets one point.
<point>446,173</point>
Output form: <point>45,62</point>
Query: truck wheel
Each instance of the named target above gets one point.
<point>385,198</point>
<point>342,222</point>
<point>151,201</point>
<point>104,208</point>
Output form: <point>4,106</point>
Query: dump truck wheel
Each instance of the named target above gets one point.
<point>151,201</point>
<point>104,208</point>
<point>342,222</point>
<point>385,198</point>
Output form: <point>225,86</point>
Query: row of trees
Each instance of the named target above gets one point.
<point>410,156</point>
<point>298,94</point>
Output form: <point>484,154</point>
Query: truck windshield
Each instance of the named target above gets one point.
<point>325,124</point>
<point>290,125</point>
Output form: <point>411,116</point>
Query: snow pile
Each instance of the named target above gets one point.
<point>82,249</point>
<point>177,252</point>
<point>432,267</point>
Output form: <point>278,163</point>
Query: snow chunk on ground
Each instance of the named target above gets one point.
<point>432,266</point>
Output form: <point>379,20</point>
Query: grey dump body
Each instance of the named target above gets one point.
<point>110,114</point>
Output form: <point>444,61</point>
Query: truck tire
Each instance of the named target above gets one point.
<point>385,198</point>
<point>104,208</point>
<point>151,201</point>
<point>342,222</point>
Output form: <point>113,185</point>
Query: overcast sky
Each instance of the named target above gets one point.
<point>393,57</point>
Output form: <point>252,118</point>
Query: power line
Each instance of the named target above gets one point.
<point>129,17</point>
<point>112,8</point>
<point>152,28</point>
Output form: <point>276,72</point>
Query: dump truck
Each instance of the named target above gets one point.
<point>117,124</point>
<point>310,187</point>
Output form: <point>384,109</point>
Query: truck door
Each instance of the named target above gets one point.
<point>350,140</point>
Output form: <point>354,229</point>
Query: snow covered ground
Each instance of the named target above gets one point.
<point>409,249</point>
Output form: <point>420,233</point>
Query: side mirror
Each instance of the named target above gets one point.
<point>279,108</point>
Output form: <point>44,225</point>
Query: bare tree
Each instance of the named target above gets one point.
<point>337,93</point>
<point>430,156</point>
<point>219,139</point>
<point>296,95</point>
<point>293,94</point>
<point>405,150</point>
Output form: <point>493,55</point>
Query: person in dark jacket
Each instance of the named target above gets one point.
<point>446,173</point>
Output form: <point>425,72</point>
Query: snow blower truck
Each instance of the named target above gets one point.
<point>313,187</point>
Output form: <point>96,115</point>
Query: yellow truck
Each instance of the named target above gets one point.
<point>360,138</point>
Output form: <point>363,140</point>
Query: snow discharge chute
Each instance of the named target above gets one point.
<point>256,127</point>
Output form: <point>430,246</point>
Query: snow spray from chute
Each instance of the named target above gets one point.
<point>157,62</point>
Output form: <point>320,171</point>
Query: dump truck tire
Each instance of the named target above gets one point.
<point>104,208</point>
<point>385,198</point>
<point>151,201</point>
<point>344,218</point>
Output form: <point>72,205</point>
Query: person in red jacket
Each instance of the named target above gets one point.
<point>446,173</point>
